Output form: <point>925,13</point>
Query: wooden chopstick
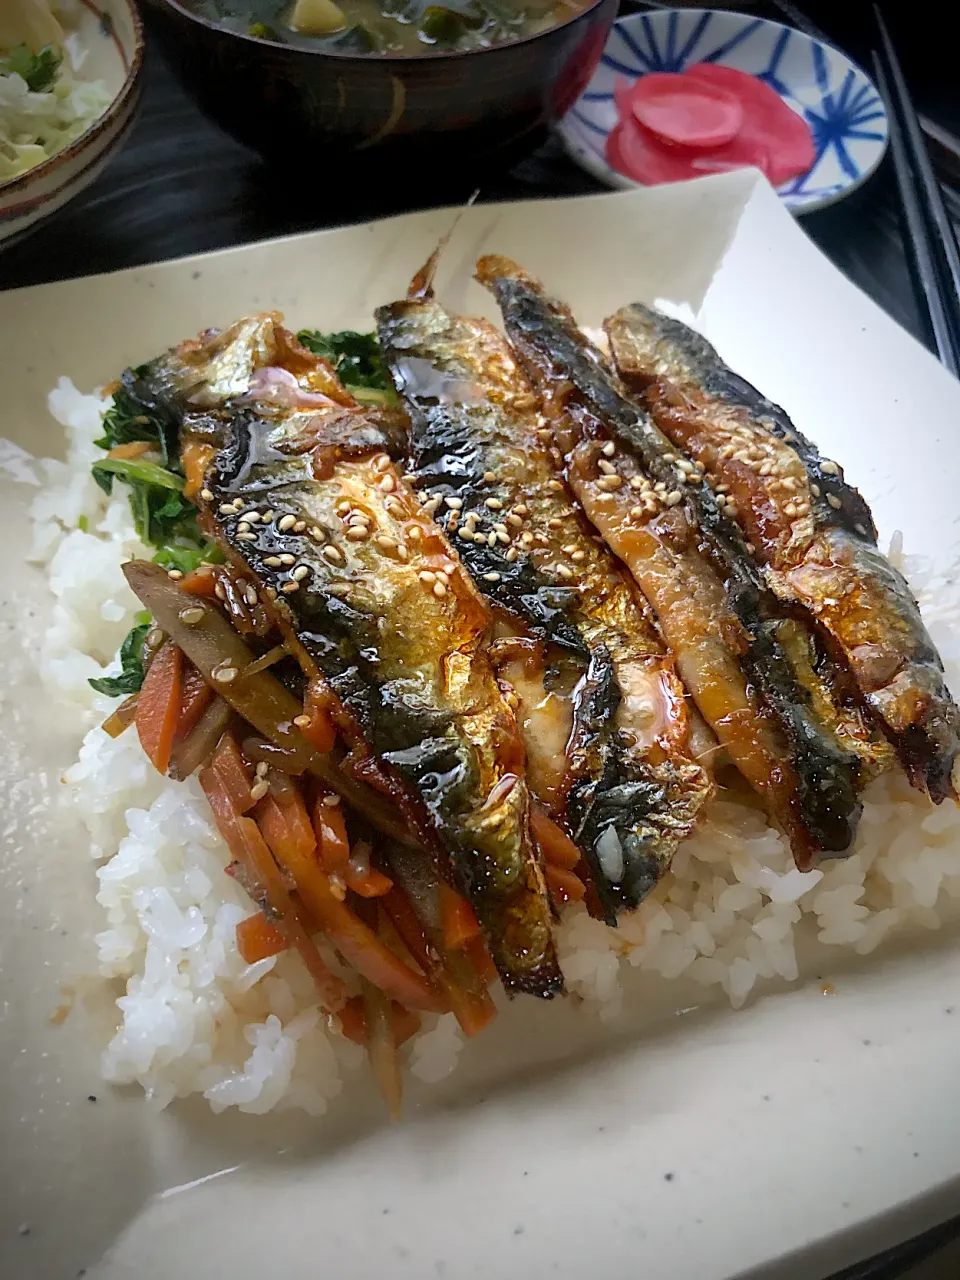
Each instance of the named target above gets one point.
<point>932,242</point>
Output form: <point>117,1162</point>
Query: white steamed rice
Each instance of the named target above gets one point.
<point>196,1019</point>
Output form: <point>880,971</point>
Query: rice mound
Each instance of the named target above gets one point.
<point>195,1018</point>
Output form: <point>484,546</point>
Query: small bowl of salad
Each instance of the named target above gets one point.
<point>69,87</point>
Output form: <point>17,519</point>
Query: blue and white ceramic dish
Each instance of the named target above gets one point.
<point>841,105</point>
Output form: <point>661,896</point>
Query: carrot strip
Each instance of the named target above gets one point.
<point>195,696</point>
<point>286,825</point>
<point>133,449</point>
<point>231,769</point>
<point>460,923</point>
<point>257,939</point>
<point>564,886</point>
<point>353,1022</point>
<point>482,961</point>
<point>454,973</point>
<point>201,582</point>
<point>368,884</point>
<point>158,707</point>
<point>555,845</point>
<point>196,456</point>
<point>331,829</point>
<point>358,944</point>
<point>248,847</point>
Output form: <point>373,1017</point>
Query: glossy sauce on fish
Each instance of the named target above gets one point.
<point>690,560</point>
<point>380,614</point>
<point>603,712</point>
<point>813,532</point>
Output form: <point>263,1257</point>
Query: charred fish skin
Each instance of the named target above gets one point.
<point>558,356</point>
<point>301,493</point>
<point>486,462</point>
<point>816,537</point>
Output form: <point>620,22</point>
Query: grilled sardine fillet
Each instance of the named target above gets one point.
<point>377,607</point>
<point>605,718</point>
<point>750,667</point>
<point>812,531</point>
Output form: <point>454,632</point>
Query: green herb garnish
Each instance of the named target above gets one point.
<point>130,678</point>
<point>357,361</point>
<point>38,69</point>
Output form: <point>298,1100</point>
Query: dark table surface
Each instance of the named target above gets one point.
<point>181,186</point>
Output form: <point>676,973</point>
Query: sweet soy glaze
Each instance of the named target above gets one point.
<point>397,27</point>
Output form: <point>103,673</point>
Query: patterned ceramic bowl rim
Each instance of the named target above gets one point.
<point>797,201</point>
<point>19,185</point>
<point>380,58</point>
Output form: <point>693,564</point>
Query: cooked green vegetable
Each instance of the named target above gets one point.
<point>131,673</point>
<point>140,412</point>
<point>357,360</point>
<point>38,69</point>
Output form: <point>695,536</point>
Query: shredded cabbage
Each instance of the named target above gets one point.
<point>35,126</point>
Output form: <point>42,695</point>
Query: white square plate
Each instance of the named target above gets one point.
<point>785,1140</point>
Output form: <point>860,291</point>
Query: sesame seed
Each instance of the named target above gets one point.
<point>317,534</point>
<point>439,590</point>
<point>673,498</point>
<point>788,482</point>
<point>431,505</point>
<point>224,675</point>
<point>834,501</point>
<point>443,576</point>
<point>300,526</point>
<point>250,595</point>
<point>243,526</point>
<point>333,554</point>
<point>500,527</point>
<point>491,539</point>
<point>191,617</point>
<point>514,520</point>
<point>727,451</point>
<point>218,591</point>
<point>544,433</point>
<point>289,587</point>
<point>273,562</point>
<point>570,548</point>
<point>343,506</point>
<point>815,490</point>
<point>206,495</point>
<point>610,483</point>
<point>494,504</point>
<point>555,486</point>
<point>394,506</point>
<point>685,466</point>
<point>637,512</point>
<point>331,801</point>
<point>578,557</point>
<point>512,554</point>
<point>246,537</point>
<point>829,468</point>
<point>415,534</point>
<point>750,548</point>
<point>489,476</point>
<point>521,509</point>
<point>237,504</point>
<point>226,508</point>
<point>268,515</point>
<point>381,462</point>
<point>501,537</point>
<point>261,769</point>
<point>300,572</point>
<point>386,543</point>
<point>454,503</point>
<point>388,484</point>
<point>252,517</point>
<point>427,575</point>
<point>803,508</point>
<point>564,572</point>
<point>669,457</point>
<point>609,449</point>
<point>175,574</point>
<point>491,577</point>
<point>554,523</point>
<point>526,539</point>
<point>286,522</point>
<point>790,509</point>
<point>731,510</point>
<point>606,467</point>
<point>766,469</point>
<point>259,789</point>
<point>357,517</point>
<point>636,482</point>
<point>358,533</point>
<point>861,530</point>
<point>286,558</point>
